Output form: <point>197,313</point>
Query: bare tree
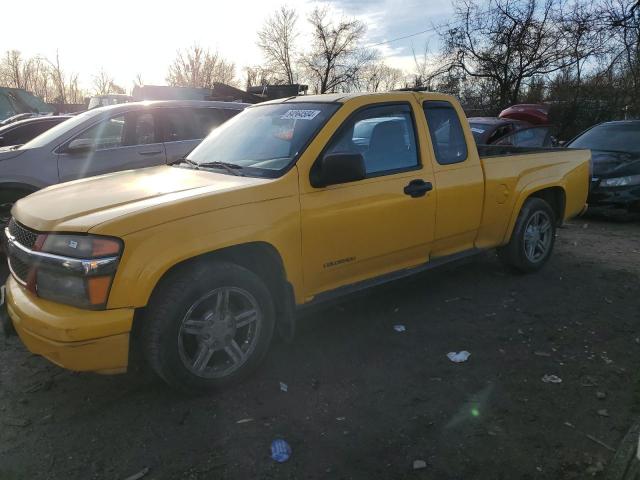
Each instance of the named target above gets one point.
<point>104,84</point>
<point>198,67</point>
<point>622,23</point>
<point>14,69</point>
<point>423,69</point>
<point>260,76</point>
<point>40,79</point>
<point>336,57</point>
<point>277,42</point>
<point>508,42</point>
<point>58,77</point>
<point>379,77</point>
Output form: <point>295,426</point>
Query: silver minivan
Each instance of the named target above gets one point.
<point>108,139</point>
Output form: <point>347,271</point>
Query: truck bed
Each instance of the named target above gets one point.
<point>486,151</point>
<point>511,172</point>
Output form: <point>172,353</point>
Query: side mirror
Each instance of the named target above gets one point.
<point>80,145</point>
<point>336,168</point>
<point>562,143</point>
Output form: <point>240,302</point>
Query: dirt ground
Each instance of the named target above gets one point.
<point>364,401</point>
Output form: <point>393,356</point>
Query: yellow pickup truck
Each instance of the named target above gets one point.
<point>291,203</point>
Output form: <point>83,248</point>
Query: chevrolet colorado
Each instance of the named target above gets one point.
<point>291,203</point>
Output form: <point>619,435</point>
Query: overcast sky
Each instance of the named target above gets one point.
<point>133,37</point>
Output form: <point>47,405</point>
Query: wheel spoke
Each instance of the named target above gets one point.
<point>193,326</point>
<point>222,303</point>
<point>245,318</point>
<point>546,225</point>
<point>234,351</point>
<point>541,246</point>
<point>531,246</point>
<point>202,357</point>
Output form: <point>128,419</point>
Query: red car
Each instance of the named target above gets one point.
<point>525,125</point>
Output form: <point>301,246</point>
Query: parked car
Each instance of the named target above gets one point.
<point>488,130</point>
<point>525,125</point>
<point>615,154</point>
<point>108,139</point>
<point>530,137</point>
<point>22,131</point>
<point>110,99</point>
<point>292,203</point>
<point>18,117</point>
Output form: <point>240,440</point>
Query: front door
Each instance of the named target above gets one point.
<point>360,230</point>
<point>126,141</point>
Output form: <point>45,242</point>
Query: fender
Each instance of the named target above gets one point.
<point>528,190</point>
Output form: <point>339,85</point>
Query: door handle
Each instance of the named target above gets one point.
<point>417,188</point>
<point>150,152</point>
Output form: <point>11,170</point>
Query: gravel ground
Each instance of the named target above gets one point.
<point>365,401</point>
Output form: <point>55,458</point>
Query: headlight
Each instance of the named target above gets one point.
<point>76,269</point>
<point>621,181</point>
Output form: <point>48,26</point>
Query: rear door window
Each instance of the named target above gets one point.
<point>208,119</point>
<point>180,124</point>
<point>447,135</point>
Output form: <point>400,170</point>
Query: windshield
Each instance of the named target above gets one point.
<point>618,137</point>
<point>264,139</point>
<point>477,129</point>
<point>53,133</point>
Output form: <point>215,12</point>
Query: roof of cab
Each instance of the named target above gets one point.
<point>170,103</point>
<point>343,97</point>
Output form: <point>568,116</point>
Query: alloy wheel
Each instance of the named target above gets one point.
<point>219,332</point>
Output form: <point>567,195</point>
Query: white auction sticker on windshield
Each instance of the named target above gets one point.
<point>300,115</point>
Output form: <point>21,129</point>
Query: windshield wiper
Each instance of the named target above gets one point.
<point>184,160</point>
<point>232,168</point>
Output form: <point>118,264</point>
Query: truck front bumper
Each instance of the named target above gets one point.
<point>75,339</point>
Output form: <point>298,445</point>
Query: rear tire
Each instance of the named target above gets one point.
<point>532,239</point>
<point>207,326</point>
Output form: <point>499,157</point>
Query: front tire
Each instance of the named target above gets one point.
<point>532,239</point>
<point>207,326</point>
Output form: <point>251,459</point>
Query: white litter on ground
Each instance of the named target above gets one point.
<point>458,357</point>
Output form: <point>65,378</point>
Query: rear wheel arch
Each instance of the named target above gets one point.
<point>555,196</point>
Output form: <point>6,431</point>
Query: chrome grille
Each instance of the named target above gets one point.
<point>23,236</point>
<point>27,238</point>
<point>19,269</point>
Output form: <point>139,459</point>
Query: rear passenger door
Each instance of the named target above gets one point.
<point>125,141</point>
<point>184,128</point>
<point>459,178</point>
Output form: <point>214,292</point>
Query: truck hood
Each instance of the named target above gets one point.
<point>81,205</point>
